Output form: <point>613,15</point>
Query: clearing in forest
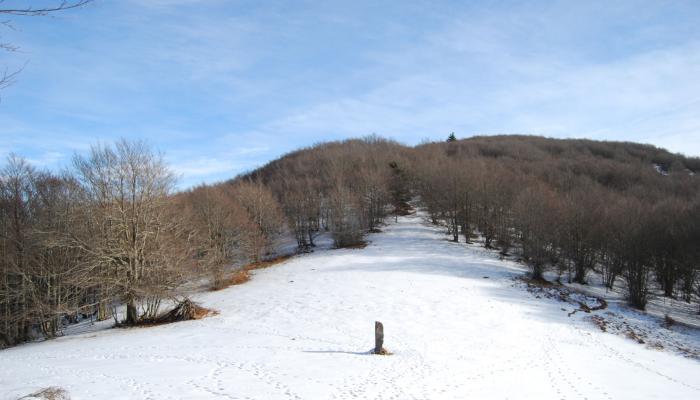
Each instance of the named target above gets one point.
<point>456,320</point>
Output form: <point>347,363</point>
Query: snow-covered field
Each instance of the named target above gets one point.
<point>458,324</point>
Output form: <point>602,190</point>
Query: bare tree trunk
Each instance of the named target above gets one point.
<point>131,312</point>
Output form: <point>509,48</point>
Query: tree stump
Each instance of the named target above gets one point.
<point>379,338</point>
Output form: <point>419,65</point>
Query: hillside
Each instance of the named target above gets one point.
<point>457,322</point>
<point>583,156</point>
<point>112,230</point>
<point>575,257</point>
<point>349,200</point>
<point>628,211</point>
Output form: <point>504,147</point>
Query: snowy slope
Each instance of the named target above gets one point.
<point>301,330</point>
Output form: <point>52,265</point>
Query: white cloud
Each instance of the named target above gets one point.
<point>222,88</point>
<point>47,159</point>
<point>202,166</point>
<point>649,93</point>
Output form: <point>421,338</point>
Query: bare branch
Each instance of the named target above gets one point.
<point>33,12</point>
<point>8,78</point>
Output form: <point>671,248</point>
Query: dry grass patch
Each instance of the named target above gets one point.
<point>267,263</point>
<point>632,334</point>
<point>238,277</point>
<point>185,310</point>
<point>242,275</point>
<point>50,393</point>
<point>360,245</point>
<point>600,322</point>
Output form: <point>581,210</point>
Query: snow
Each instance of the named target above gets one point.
<point>660,169</point>
<point>658,306</point>
<point>458,322</point>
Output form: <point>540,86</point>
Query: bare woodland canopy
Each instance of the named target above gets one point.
<point>112,231</point>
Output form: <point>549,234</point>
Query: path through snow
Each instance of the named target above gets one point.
<point>302,330</point>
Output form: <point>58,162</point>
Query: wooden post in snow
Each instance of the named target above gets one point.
<point>378,338</point>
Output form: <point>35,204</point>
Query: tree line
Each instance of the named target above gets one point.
<point>628,211</point>
<point>112,231</point>
<point>343,188</point>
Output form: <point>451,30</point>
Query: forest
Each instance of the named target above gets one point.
<point>113,231</point>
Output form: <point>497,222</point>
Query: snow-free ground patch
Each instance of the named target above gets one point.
<point>456,323</point>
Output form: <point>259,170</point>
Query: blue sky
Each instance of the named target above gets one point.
<point>224,86</point>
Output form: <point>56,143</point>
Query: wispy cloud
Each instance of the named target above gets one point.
<point>474,77</point>
<point>47,159</point>
<point>221,88</point>
<point>202,167</point>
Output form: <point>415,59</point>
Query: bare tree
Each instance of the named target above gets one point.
<point>135,242</point>
<point>263,212</point>
<point>7,77</point>
<point>220,230</point>
<point>41,281</point>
